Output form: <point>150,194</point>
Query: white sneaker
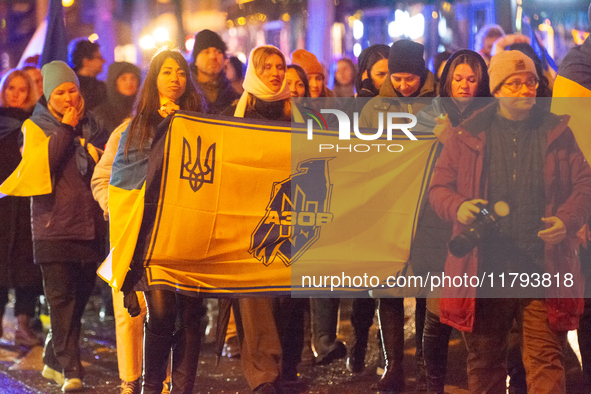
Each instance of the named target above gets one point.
<point>52,374</point>
<point>72,384</point>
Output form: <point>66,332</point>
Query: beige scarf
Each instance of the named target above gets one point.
<point>253,85</point>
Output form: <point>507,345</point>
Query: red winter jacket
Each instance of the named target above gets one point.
<point>567,176</point>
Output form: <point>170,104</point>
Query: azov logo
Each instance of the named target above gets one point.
<point>299,207</point>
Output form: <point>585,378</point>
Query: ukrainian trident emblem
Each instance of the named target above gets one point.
<point>195,172</point>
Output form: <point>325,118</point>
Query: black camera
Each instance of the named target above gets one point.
<point>486,219</point>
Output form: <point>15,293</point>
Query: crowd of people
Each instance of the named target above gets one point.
<point>511,149</point>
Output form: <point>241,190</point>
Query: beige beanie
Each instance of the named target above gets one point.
<point>505,64</point>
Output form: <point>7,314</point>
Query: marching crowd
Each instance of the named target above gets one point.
<point>511,149</point>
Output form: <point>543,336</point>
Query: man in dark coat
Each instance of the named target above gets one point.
<point>84,57</point>
<point>517,152</point>
<point>208,74</point>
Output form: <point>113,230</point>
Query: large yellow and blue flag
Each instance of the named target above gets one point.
<point>228,205</point>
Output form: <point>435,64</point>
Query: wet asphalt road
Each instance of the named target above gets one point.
<point>20,368</point>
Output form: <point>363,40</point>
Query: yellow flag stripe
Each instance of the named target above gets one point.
<point>32,177</point>
<point>125,226</point>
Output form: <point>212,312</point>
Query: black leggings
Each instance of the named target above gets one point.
<point>168,310</point>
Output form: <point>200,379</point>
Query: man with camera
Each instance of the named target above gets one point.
<point>514,151</point>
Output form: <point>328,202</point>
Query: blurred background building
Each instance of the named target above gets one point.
<point>133,30</point>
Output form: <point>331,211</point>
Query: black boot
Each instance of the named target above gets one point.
<point>435,345</point>
<point>391,317</point>
<point>156,356</point>
<point>185,359</point>
<point>361,319</point>
<point>421,375</point>
<point>356,359</point>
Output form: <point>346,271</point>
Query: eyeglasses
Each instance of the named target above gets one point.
<point>516,85</point>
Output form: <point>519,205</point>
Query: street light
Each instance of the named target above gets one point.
<point>161,34</point>
<point>357,49</point>
<point>357,29</point>
<point>148,42</point>
<point>189,43</point>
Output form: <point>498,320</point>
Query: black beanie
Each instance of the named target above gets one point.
<point>207,39</point>
<point>406,56</point>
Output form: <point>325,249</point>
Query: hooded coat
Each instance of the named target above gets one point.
<point>118,106</point>
<point>458,177</point>
<point>16,247</point>
<point>365,87</point>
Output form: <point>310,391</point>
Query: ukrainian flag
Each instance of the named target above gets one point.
<point>32,177</point>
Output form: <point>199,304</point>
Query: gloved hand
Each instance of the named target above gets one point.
<point>130,300</point>
<point>131,303</point>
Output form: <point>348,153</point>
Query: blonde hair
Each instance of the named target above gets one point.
<point>260,56</point>
<point>10,75</point>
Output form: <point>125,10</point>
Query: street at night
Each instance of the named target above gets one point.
<point>192,193</point>
<point>20,368</point>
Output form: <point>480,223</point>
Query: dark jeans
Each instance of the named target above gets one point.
<point>362,313</point>
<point>26,299</point>
<point>67,289</point>
<point>290,324</point>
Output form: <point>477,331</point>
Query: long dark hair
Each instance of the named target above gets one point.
<point>478,66</point>
<point>148,104</point>
<point>476,63</point>
<point>367,59</point>
<point>303,76</point>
